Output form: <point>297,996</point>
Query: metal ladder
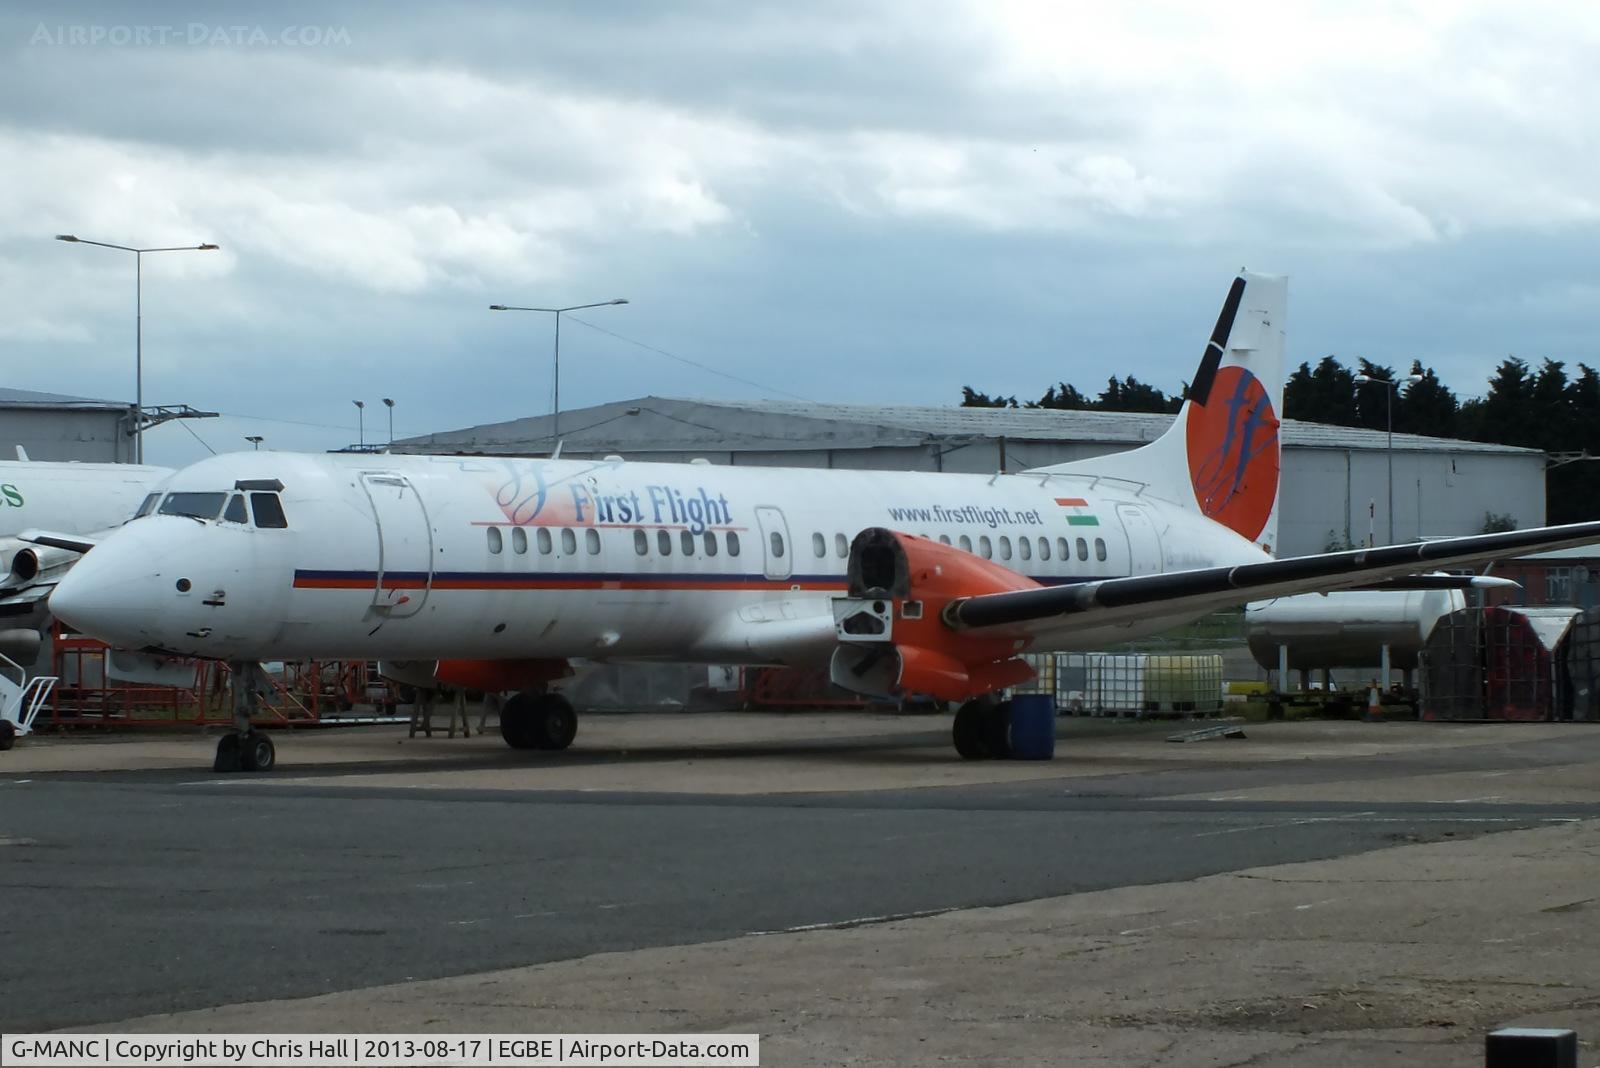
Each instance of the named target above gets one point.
<point>21,698</point>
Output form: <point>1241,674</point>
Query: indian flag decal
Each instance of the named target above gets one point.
<point>1077,516</point>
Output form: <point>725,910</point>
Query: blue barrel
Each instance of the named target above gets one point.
<point>1033,726</point>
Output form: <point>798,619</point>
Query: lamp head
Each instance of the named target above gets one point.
<point>388,402</point>
<point>65,237</point>
<point>497,307</point>
<point>620,300</point>
<point>359,404</point>
<point>1363,379</point>
<point>207,247</point>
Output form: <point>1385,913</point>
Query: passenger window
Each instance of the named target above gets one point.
<point>1083,549</point>
<point>664,543</point>
<point>965,543</point>
<point>1025,548</point>
<point>542,536</point>
<point>591,538</point>
<point>1099,548</point>
<point>235,512</point>
<point>569,541</point>
<point>733,543</point>
<point>777,545</point>
<point>687,541</point>
<point>711,543</point>
<point>641,542</point>
<point>519,540</point>
<point>944,539</point>
<point>1005,547</point>
<point>985,550</point>
<point>148,506</point>
<point>819,545</point>
<point>1063,550</point>
<point>1044,548</point>
<point>496,540</point>
<point>269,511</point>
<point>841,545</point>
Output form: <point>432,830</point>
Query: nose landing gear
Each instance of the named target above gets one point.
<point>245,748</point>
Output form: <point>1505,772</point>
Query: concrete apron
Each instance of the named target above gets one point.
<point>1401,956</point>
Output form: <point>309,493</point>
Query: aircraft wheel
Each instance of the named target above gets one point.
<point>997,730</point>
<point>517,721</point>
<point>555,722</point>
<point>968,730</point>
<point>8,734</point>
<point>227,753</point>
<point>257,753</point>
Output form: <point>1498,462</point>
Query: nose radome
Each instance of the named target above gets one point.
<point>110,594</point>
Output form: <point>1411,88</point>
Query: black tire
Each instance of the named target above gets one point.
<point>257,753</point>
<point>997,730</point>
<point>227,753</point>
<point>555,723</point>
<point>968,729</point>
<point>516,721</point>
<point>8,734</point>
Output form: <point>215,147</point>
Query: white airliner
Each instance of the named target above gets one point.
<point>500,574</point>
<point>50,513</point>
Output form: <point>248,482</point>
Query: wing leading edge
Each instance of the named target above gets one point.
<point>1119,600</point>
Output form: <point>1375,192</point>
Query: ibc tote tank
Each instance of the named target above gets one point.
<point>1339,630</point>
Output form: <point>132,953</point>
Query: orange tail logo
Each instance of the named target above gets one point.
<point>1232,440</point>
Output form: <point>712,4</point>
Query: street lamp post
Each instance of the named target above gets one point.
<point>255,440</point>
<point>138,324</point>
<point>555,436</point>
<point>1390,388</point>
<point>361,422</point>
<point>388,402</point>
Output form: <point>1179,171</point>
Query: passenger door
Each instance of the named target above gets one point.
<point>1144,542</point>
<point>405,544</point>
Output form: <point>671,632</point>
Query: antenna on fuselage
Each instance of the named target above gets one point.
<point>557,454</point>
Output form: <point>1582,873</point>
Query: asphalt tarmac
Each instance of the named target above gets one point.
<point>138,892</point>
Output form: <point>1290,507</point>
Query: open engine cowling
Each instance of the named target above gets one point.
<point>893,639</point>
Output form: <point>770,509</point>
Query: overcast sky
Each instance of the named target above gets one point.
<point>832,201</point>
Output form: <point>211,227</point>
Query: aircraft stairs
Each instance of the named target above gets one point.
<point>20,700</point>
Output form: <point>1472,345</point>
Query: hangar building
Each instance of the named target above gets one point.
<point>1335,479</point>
<point>54,426</point>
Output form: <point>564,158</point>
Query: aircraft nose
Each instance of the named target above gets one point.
<point>109,594</point>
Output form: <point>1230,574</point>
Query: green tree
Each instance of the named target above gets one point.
<point>971,398</point>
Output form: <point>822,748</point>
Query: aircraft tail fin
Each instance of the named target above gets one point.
<point>1221,456</point>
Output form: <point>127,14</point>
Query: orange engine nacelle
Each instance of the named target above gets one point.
<point>893,637</point>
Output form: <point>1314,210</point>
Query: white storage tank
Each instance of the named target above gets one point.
<point>1346,630</point>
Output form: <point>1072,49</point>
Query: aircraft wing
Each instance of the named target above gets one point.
<point>1033,612</point>
<point>74,543</point>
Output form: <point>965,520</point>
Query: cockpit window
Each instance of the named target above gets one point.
<point>198,505</point>
<point>269,510</point>
<point>148,506</point>
<point>235,512</point>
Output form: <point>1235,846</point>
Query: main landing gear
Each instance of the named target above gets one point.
<point>245,748</point>
<point>538,721</point>
<point>982,729</point>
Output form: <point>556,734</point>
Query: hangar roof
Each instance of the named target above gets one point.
<point>27,398</point>
<point>670,424</point>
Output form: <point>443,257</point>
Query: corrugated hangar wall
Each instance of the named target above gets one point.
<point>57,427</point>
<point>1331,475</point>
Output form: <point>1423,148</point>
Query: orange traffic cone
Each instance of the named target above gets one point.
<point>1374,704</point>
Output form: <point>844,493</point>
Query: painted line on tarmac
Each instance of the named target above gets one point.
<point>861,921</point>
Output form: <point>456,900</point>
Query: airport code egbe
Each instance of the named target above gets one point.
<point>297,1050</point>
